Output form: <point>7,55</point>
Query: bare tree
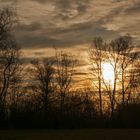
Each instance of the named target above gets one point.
<point>43,73</point>
<point>123,56</point>
<point>9,54</point>
<point>64,75</point>
<point>133,89</point>
<point>96,56</point>
<point>8,18</point>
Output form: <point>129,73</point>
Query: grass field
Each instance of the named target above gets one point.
<point>93,134</point>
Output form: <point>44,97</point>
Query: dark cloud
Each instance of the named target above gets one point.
<point>65,8</point>
<point>29,28</point>
<point>135,8</point>
<point>69,9</point>
<point>125,19</point>
<point>39,40</point>
<point>41,1</point>
<point>78,27</point>
<point>68,23</point>
<point>74,35</point>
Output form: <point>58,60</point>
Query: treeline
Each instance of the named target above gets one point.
<point>49,101</point>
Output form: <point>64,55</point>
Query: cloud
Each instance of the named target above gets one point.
<point>69,9</point>
<point>28,28</point>
<point>68,23</point>
<point>36,40</point>
<point>126,20</point>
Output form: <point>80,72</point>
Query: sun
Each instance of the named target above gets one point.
<point>108,73</point>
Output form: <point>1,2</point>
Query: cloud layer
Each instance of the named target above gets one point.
<point>67,23</point>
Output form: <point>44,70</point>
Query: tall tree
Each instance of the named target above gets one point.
<point>96,56</point>
<point>123,55</point>
<point>43,74</point>
<point>64,75</point>
<point>9,54</point>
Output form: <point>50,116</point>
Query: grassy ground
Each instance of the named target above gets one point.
<point>93,134</point>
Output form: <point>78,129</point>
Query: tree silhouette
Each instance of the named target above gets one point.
<point>43,74</point>
<point>64,75</point>
<point>96,56</point>
<point>9,55</point>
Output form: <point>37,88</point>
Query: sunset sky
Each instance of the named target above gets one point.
<point>72,24</point>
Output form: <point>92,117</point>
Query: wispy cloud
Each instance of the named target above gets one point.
<point>66,23</point>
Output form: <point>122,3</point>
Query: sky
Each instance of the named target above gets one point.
<point>72,23</point>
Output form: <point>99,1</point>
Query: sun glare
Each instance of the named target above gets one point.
<point>108,73</point>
